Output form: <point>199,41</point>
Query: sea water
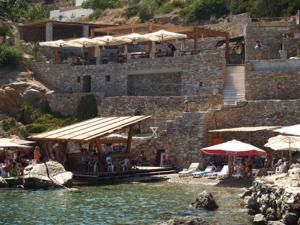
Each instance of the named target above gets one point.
<point>135,203</point>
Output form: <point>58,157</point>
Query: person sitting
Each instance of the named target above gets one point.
<point>15,172</point>
<point>142,159</point>
<point>172,49</point>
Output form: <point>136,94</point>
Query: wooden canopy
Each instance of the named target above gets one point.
<point>194,32</point>
<point>90,130</point>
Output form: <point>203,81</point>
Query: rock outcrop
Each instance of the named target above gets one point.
<point>3,183</point>
<point>274,200</point>
<point>46,175</point>
<point>185,221</point>
<point>12,95</point>
<point>205,200</point>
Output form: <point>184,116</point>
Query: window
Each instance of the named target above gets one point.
<point>78,79</point>
<point>107,78</point>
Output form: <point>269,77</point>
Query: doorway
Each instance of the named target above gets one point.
<point>86,84</point>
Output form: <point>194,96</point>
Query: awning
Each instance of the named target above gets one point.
<point>234,147</point>
<point>284,143</point>
<point>244,129</point>
<point>90,129</point>
<point>290,130</point>
<point>52,44</point>
<point>107,41</point>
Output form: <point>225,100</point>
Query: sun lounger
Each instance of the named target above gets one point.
<point>187,172</point>
<point>208,170</point>
<point>222,174</point>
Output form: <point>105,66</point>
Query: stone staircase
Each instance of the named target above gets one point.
<point>234,88</point>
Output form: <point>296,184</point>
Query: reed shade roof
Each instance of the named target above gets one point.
<point>90,129</point>
<point>163,35</point>
<point>133,38</point>
<point>290,130</point>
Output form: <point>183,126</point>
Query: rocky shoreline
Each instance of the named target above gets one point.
<point>274,200</point>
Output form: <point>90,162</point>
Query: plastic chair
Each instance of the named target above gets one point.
<point>110,165</point>
<point>124,164</point>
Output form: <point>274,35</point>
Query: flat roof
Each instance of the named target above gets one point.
<point>151,27</point>
<point>90,129</point>
<point>63,23</point>
<point>244,129</point>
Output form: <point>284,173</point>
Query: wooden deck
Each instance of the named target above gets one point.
<point>142,174</point>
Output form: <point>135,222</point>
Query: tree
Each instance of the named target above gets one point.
<point>204,9</point>
<point>101,4</point>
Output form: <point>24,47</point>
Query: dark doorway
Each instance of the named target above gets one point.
<point>86,84</point>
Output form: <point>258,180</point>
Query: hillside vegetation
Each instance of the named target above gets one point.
<point>190,10</point>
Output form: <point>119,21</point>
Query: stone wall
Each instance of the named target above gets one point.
<point>255,113</point>
<point>67,103</point>
<point>292,46</point>
<point>164,84</point>
<point>161,108</point>
<point>201,74</point>
<point>271,85</point>
<point>181,141</point>
<point>275,65</point>
<point>270,36</point>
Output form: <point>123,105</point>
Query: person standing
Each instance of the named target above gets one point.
<point>36,155</point>
<point>258,50</point>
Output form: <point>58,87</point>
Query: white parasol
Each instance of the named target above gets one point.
<point>163,35</point>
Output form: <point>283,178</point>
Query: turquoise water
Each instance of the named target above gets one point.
<point>137,203</point>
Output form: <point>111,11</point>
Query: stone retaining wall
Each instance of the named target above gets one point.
<point>272,85</point>
<point>275,65</point>
<point>161,108</point>
<point>255,113</point>
<point>201,74</point>
<point>67,103</point>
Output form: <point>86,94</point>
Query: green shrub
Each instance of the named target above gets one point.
<point>10,56</point>
<point>239,6</point>
<point>5,30</point>
<point>12,127</point>
<point>87,108</point>
<point>145,12</point>
<point>132,10</point>
<point>170,6</point>
<point>47,122</point>
<point>101,4</point>
<point>96,14</point>
<point>204,9</point>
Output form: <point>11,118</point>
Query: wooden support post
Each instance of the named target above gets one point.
<point>45,147</point>
<point>102,164</point>
<point>126,51</point>
<point>196,36</point>
<point>227,49</point>
<point>129,139</point>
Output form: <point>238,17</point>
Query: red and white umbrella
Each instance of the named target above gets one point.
<point>233,148</point>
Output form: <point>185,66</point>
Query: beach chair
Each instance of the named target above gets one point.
<point>187,172</point>
<point>223,173</point>
<point>208,170</point>
<point>279,169</point>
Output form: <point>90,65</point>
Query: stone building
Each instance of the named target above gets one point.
<point>258,93</point>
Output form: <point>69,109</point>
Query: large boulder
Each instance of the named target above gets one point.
<point>47,175</point>
<point>185,221</point>
<point>259,219</point>
<point>205,200</point>
<point>290,218</point>
<point>32,95</point>
<point>3,183</point>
